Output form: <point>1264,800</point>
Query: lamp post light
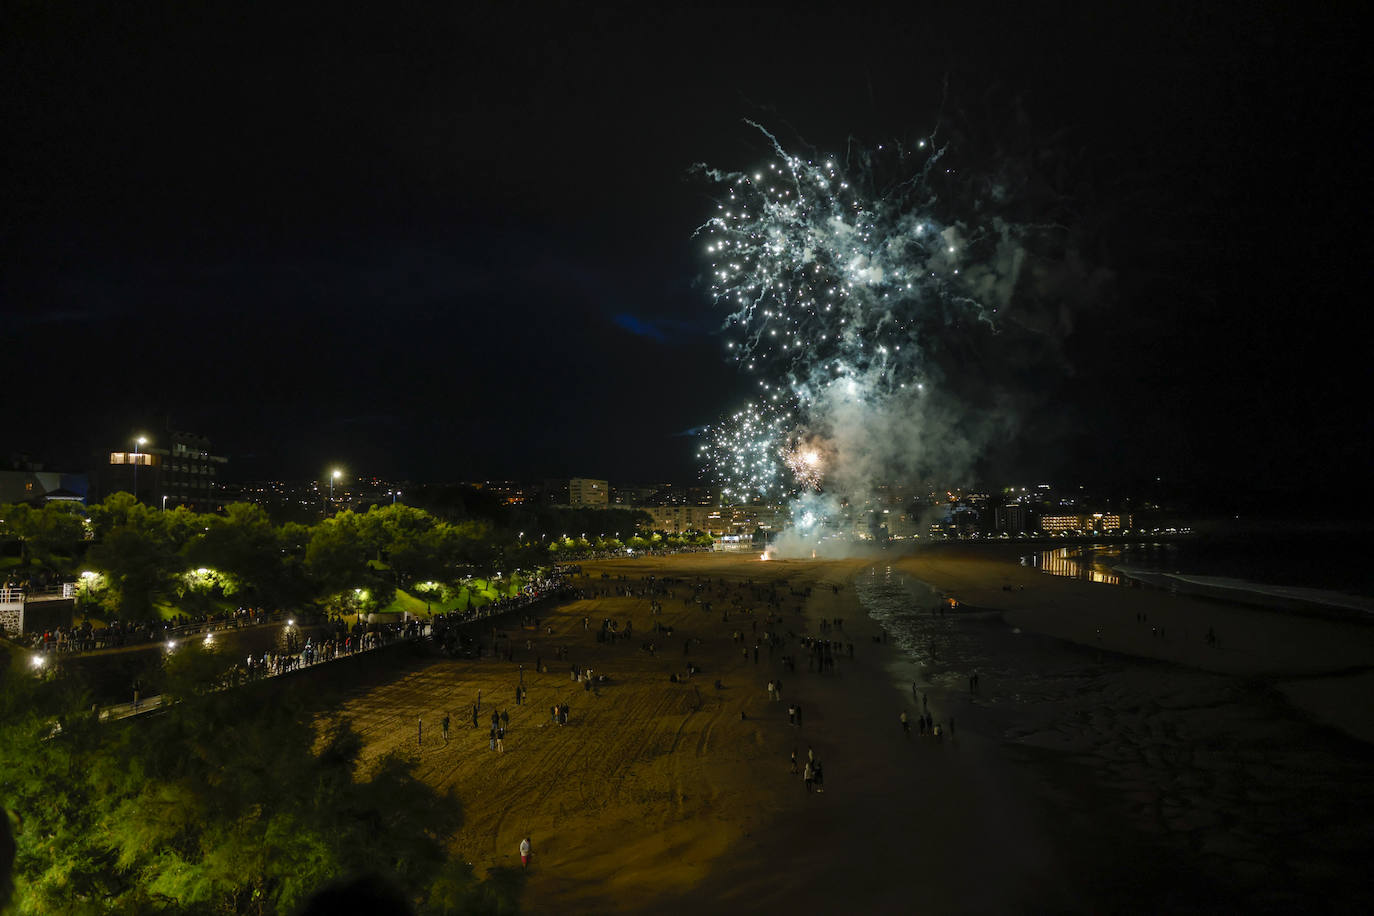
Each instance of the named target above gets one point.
<point>333,476</point>
<point>164,502</point>
<point>137,444</point>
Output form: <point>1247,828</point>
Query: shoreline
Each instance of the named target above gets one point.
<point>1319,661</point>
<point>1206,753</point>
<point>1292,598</point>
<point>1248,592</point>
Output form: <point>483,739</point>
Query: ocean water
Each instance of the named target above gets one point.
<point>1329,568</point>
<point>1018,672</point>
<point>1207,779</point>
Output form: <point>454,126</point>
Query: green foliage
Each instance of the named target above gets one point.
<point>113,512</point>
<point>138,563</point>
<point>414,544</point>
<point>217,805</point>
<point>337,555</point>
<point>248,557</point>
<point>351,562</point>
<point>58,865</point>
<point>50,535</point>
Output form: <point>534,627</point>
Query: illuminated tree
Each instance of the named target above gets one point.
<point>215,806</point>
<point>138,564</point>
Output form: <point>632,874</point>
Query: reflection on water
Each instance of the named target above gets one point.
<point>1137,753</point>
<point>1086,563</point>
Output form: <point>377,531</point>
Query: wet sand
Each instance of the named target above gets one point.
<point>1279,645</point>
<point>1239,773</point>
<point>671,797</point>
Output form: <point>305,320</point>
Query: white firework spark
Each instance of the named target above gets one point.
<point>833,278</point>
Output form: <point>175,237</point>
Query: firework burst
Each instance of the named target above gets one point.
<point>833,275</point>
<point>806,463</point>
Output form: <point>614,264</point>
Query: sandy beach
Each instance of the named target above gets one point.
<point>1116,772</point>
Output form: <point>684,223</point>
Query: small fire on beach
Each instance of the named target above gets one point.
<point>765,556</point>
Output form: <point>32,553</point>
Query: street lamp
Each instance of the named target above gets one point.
<point>164,502</point>
<point>335,475</point>
<point>137,443</point>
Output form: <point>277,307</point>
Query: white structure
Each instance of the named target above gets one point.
<point>14,600</point>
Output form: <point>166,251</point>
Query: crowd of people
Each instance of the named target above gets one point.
<point>298,651</point>
<point>87,637</point>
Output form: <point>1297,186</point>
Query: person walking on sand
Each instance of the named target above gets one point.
<point>525,853</point>
<point>906,724</point>
<point>500,740</point>
<point>474,715</point>
<point>443,726</point>
<point>808,773</point>
<point>794,761</point>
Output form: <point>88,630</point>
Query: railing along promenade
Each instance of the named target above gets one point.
<point>390,634</point>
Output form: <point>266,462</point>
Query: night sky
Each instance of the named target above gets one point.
<point>459,245</point>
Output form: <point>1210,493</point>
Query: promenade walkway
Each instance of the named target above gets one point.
<point>284,665</point>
